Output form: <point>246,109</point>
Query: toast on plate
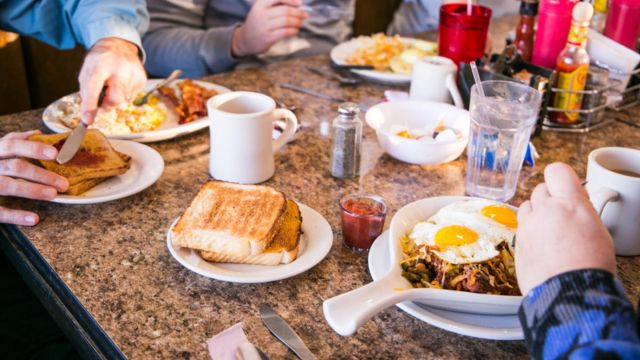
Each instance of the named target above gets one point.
<point>86,185</point>
<point>282,250</point>
<point>231,219</point>
<point>95,162</point>
<point>96,158</point>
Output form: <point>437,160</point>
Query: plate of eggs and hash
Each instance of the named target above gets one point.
<point>174,110</point>
<point>453,253</point>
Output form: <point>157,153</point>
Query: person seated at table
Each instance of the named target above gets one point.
<point>111,30</point>
<point>417,16</point>
<point>574,306</point>
<point>204,37</point>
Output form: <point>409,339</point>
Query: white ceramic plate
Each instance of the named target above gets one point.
<point>347,312</point>
<point>146,168</point>
<point>341,51</point>
<point>315,244</point>
<point>494,327</point>
<point>168,130</point>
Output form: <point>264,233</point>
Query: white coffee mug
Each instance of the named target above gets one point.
<point>434,79</point>
<point>613,183</point>
<point>241,126</point>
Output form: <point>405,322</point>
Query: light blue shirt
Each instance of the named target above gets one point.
<point>68,23</point>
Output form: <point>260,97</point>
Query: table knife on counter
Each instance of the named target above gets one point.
<point>281,330</point>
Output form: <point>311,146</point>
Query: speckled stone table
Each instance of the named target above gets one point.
<point>114,261</point>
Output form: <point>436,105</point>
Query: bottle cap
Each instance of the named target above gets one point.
<point>582,12</point>
<point>529,7</point>
<point>348,109</point>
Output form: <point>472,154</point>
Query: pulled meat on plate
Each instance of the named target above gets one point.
<point>192,103</point>
<point>494,276</point>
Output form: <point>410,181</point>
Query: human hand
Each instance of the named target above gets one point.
<point>559,231</point>
<point>268,22</point>
<point>113,63</point>
<point>19,177</point>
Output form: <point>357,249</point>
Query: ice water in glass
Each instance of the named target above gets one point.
<point>501,124</point>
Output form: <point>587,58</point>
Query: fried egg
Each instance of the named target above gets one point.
<point>467,231</point>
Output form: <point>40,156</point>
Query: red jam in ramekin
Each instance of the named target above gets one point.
<point>362,220</point>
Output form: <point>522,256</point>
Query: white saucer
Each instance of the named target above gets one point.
<point>168,130</point>
<point>315,244</point>
<point>493,327</point>
<point>146,168</point>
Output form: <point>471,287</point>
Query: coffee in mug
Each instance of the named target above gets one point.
<point>613,183</point>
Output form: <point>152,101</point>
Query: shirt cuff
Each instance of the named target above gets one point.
<point>116,29</point>
<point>216,49</point>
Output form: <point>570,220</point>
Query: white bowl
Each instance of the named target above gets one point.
<point>419,114</point>
<point>345,313</point>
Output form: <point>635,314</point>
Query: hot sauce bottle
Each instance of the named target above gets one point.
<point>525,28</point>
<point>572,67</point>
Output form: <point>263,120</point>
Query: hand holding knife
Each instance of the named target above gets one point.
<point>74,140</point>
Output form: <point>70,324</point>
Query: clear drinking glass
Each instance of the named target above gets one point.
<point>501,125</point>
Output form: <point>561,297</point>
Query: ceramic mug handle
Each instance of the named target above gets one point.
<point>453,90</point>
<point>600,197</point>
<point>289,130</point>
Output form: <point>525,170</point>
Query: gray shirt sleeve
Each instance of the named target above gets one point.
<point>177,39</point>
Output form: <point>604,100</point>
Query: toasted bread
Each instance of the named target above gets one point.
<point>95,158</point>
<point>232,219</point>
<point>86,185</point>
<point>283,248</point>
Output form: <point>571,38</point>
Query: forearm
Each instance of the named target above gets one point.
<point>581,313</point>
<point>94,20</point>
<point>76,22</point>
<point>196,52</point>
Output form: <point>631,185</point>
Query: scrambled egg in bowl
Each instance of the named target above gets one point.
<point>467,245</point>
<point>122,120</point>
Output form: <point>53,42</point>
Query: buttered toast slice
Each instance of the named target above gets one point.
<point>83,186</point>
<point>95,158</point>
<point>231,219</point>
<point>283,249</point>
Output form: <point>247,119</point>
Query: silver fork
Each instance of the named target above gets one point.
<point>143,100</point>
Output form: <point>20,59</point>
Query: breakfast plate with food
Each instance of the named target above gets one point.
<point>452,253</point>
<point>392,57</point>
<point>248,234</point>
<point>492,327</point>
<point>103,170</point>
<point>174,110</point>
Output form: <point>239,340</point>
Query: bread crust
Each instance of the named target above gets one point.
<point>283,249</point>
<point>232,219</point>
<point>96,158</point>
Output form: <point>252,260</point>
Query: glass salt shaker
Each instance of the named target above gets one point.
<point>347,141</point>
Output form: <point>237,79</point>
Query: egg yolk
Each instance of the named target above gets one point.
<point>455,235</point>
<point>501,214</point>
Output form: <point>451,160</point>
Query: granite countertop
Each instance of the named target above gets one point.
<point>113,256</point>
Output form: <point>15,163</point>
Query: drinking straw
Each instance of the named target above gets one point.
<point>469,4</point>
<point>476,77</point>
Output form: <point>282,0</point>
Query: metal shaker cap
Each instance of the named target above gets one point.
<point>348,109</point>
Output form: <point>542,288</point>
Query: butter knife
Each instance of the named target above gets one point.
<point>74,140</point>
<point>281,330</point>
<point>304,90</point>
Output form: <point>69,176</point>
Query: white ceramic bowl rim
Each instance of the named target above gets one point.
<point>465,135</point>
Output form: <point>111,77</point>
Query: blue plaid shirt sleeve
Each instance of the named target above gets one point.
<point>581,314</point>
